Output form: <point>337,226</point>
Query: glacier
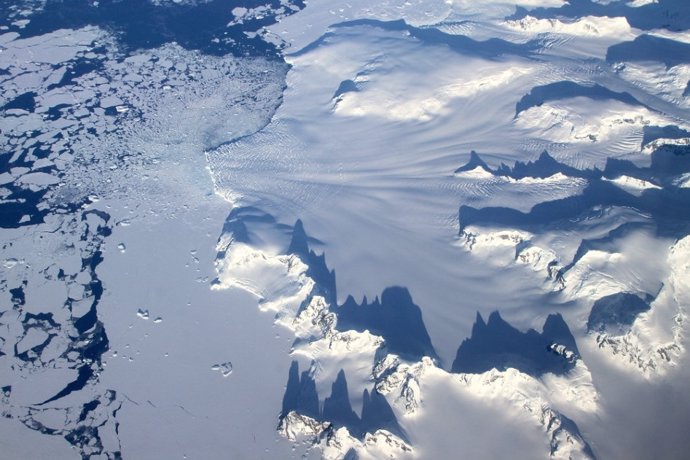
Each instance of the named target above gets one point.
<point>406,229</point>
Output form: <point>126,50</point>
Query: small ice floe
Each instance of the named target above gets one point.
<point>143,314</point>
<point>224,368</point>
<point>122,247</point>
<point>10,263</point>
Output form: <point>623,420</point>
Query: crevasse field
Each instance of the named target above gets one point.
<point>424,229</point>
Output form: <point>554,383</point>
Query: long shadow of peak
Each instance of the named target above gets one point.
<point>497,344</point>
<point>337,408</point>
<point>395,317</point>
<point>301,396</point>
<point>236,223</point>
<point>318,269</point>
<point>615,313</point>
<point>668,161</point>
<point>474,163</point>
<point>650,48</point>
<point>545,166</point>
<point>651,133</point>
<point>299,244</point>
<point>242,223</point>
<point>666,14</point>
<point>488,49</point>
<point>606,243</point>
<point>547,213</point>
<point>667,206</point>
<point>567,89</point>
<point>377,414</point>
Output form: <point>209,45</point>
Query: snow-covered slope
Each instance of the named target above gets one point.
<point>397,390</point>
<point>380,111</point>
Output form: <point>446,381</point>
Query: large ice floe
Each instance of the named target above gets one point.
<point>400,229</point>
